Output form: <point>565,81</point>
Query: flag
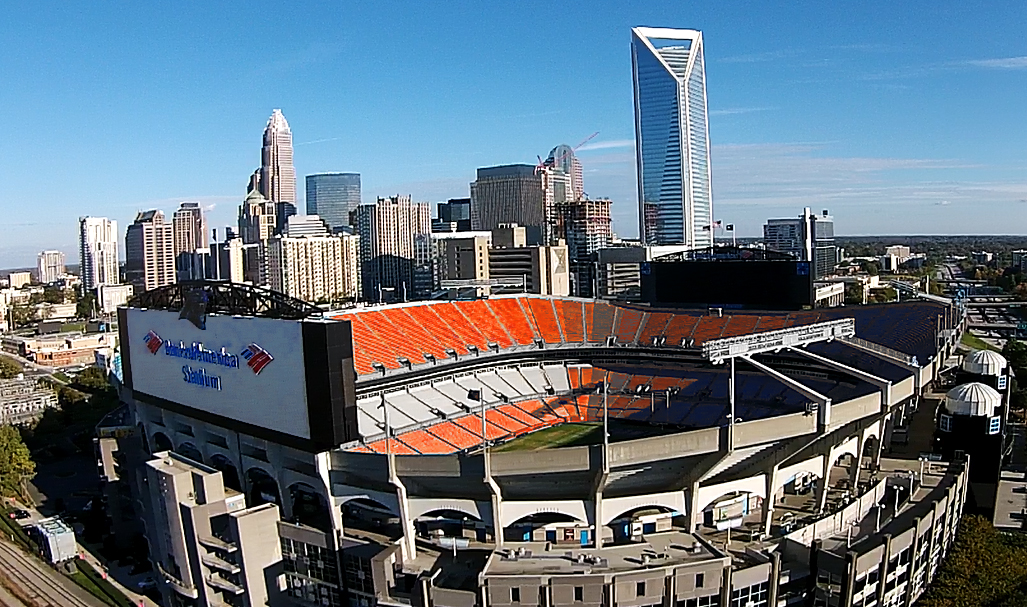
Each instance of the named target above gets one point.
<point>730,227</point>
<point>474,395</point>
<point>153,342</point>
<point>712,226</point>
<point>256,358</point>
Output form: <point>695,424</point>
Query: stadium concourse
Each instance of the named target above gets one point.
<point>528,450</point>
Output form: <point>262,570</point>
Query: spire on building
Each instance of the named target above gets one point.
<point>277,178</point>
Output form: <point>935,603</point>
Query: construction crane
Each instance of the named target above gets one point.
<point>556,161</point>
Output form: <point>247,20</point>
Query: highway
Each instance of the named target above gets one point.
<point>38,586</point>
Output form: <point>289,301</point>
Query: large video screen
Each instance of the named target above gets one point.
<point>745,284</point>
<point>241,368</point>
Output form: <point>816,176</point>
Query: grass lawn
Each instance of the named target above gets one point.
<point>564,435</point>
<point>972,341</point>
<point>62,377</point>
<point>73,327</point>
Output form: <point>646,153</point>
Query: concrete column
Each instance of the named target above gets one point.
<point>693,506</point>
<point>770,478</point>
<point>857,460</point>
<point>409,545</point>
<point>825,480</point>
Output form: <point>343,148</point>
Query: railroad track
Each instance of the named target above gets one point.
<point>35,585</point>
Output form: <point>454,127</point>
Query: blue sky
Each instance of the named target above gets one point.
<point>898,117</point>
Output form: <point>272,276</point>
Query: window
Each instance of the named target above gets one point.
<point>579,594</point>
<point>639,588</point>
<point>700,580</point>
<point>515,595</point>
<point>995,425</point>
<point>945,424</point>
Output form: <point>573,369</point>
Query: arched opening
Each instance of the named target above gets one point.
<point>551,527</point>
<point>868,462</point>
<point>161,442</point>
<point>228,472</point>
<point>309,507</point>
<point>448,523</point>
<point>840,484</point>
<point>371,515</point>
<point>738,512</point>
<point>630,526</point>
<point>263,488</point>
<point>189,450</point>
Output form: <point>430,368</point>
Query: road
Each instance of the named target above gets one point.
<point>38,586</point>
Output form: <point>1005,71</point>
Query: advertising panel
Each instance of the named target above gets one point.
<point>242,368</point>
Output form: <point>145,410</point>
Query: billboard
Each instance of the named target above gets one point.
<point>742,284</point>
<point>247,369</point>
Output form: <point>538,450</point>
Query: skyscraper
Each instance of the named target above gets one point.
<point>189,232</point>
<point>277,176</point>
<point>671,137</point>
<point>309,263</point>
<point>808,237</point>
<point>332,197</point>
<point>98,252</point>
<point>521,194</point>
<point>257,223</point>
<point>49,266</point>
<point>149,252</point>
<point>454,216</point>
<point>391,233</point>
<point>562,157</point>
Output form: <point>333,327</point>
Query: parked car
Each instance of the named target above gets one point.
<point>146,584</point>
<point>19,515</point>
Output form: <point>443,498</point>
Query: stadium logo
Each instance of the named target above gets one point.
<point>256,358</point>
<point>153,342</point>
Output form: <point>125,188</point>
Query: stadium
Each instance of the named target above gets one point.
<point>535,450</point>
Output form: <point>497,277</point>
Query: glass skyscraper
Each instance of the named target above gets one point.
<point>332,196</point>
<point>671,137</point>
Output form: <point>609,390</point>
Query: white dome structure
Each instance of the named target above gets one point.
<point>985,362</point>
<point>975,399</point>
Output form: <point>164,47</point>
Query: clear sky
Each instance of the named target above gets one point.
<point>898,117</point>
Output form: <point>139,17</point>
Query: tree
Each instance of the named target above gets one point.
<point>91,379</point>
<point>1015,352</point>
<point>84,307</point>
<point>854,294</point>
<point>8,368</point>
<point>16,465</point>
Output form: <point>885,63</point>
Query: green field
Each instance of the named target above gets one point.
<point>582,433</point>
<point>972,341</point>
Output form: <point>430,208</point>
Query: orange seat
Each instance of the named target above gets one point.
<point>545,319</point>
<point>509,313</point>
<point>481,316</point>
<point>570,314</point>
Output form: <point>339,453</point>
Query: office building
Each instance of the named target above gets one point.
<point>562,157</point>
<point>257,223</point>
<point>332,197</point>
<point>461,262</point>
<point>277,180</point>
<point>539,269</point>
<point>522,194</point>
<point>149,252</point>
<point>453,216</point>
<point>220,261</point>
<point>671,137</point>
<point>190,233</point>
<point>808,237</point>
<point>110,297</point>
<point>313,265</point>
<point>49,266</point>
<point>586,226</point>
<point>98,252</point>
<point>389,248</point>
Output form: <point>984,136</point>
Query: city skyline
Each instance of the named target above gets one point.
<point>862,112</point>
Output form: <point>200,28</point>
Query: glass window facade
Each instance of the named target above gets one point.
<point>332,196</point>
<point>671,133</point>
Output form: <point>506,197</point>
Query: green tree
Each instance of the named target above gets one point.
<point>84,307</point>
<point>16,465</point>
<point>91,379</point>
<point>1015,352</point>
<point>8,367</point>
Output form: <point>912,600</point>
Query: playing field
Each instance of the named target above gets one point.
<point>579,433</point>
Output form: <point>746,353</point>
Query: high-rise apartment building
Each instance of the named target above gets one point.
<point>149,252</point>
<point>190,233</point>
<point>332,197</point>
<point>98,252</point>
<point>389,246</point>
<point>49,266</point>
<point>522,194</point>
<point>671,137</point>
<point>808,237</point>
<point>562,157</point>
<point>277,180</point>
<point>257,223</point>
<point>312,264</point>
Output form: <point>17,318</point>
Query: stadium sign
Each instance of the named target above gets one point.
<point>717,350</point>
<point>256,359</point>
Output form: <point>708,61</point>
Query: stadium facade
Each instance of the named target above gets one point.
<point>526,450</point>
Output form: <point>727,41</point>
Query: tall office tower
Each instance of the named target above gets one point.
<point>563,158</point>
<point>309,263</point>
<point>671,137</point>
<point>808,237</point>
<point>453,216</point>
<point>521,194</point>
<point>49,266</point>
<point>333,196</point>
<point>277,176</point>
<point>149,252</point>
<point>257,223</point>
<point>389,246</point>
<point>190,233</point>
<point>98,252</point>
<point>586,225</point>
